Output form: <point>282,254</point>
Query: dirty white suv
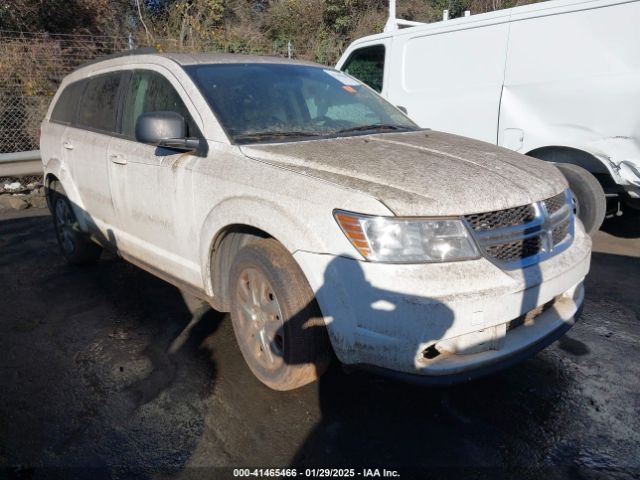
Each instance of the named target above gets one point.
<point>319,215</point>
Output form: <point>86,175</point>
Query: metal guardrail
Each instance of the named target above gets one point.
<point>20,163</point>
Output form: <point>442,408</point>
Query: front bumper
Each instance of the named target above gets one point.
<point>483,369</point>
<point>394,316</point>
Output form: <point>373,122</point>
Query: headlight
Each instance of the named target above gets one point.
<point>407,240</point>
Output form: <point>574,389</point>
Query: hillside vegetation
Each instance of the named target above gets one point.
<point>317,29</point>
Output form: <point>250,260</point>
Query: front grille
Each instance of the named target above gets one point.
<point>501,218</point>
<point>560,232</point>
<point>509,252</point>
<point>554,204</point>
<point>526,234</point>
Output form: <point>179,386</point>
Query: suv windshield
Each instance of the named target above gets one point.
<point>260,102</point>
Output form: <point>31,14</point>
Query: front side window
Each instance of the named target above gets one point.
<point>367,65</point>
<point>67,104</point>
<point>262,102</point>
<point>99,104</point>
<point>150,92</point>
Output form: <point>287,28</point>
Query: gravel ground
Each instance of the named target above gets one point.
<point>108,372</point>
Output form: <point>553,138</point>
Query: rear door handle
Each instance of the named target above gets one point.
<point>119,159</point>
<point>68,145</point>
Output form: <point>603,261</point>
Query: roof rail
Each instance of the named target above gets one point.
<point>125,53</point>
<point>394,23</point>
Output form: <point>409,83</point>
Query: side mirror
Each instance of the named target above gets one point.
<point>164,129</point>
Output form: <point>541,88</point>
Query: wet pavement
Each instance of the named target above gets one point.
<point>108,372</point>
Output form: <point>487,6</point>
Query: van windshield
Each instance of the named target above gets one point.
<point>258,102</point>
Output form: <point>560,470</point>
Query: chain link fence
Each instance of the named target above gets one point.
<point>32,65</point>
<point>31,68</point>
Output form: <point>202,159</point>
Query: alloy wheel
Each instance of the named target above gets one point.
<point>65,225</point>
<point>260,318</point>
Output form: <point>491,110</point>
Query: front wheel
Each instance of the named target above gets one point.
<point>276,319</point>
<point>589,197</point>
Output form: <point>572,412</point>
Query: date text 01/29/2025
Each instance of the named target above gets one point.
<point>315,473</point>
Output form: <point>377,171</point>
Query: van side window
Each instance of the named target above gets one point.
<point>367,65</point>
<point>67,104</point>
<point>150,92</point>
<point>99,104</point>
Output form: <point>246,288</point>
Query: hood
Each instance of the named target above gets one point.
<point>423,173</point>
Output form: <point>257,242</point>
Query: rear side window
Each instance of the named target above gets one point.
<point>367,65</point>
<point>99,105</point>
<point>67,104</point>
<point>150,92</point>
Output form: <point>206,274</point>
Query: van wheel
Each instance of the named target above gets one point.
<point>591,203</point>
<point>75,245</point>
<point>276,319</point>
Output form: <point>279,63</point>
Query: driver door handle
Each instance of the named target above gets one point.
<point>119,159</point>
<point>67,145</point>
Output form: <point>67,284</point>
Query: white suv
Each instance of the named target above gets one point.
<point>319,215</point>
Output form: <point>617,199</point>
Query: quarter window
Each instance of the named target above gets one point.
<point>67,104</point>
<point>151,92</point>
<point>99,104</point>
<point>367,65</point>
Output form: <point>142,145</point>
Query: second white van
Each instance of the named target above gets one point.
<point>558,80</point>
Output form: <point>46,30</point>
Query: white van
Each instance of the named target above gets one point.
<point>557,80</point>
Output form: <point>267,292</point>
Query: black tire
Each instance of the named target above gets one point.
<point>591,203</point>
<point>298,349</point>
<point>75,245</point>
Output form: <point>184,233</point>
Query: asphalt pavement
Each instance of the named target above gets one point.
<point>109,372</point>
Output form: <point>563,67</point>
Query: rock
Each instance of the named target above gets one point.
<point>4,202</point>
<point>37,201</point>
<point>18,203</point>
<point>14,202</point>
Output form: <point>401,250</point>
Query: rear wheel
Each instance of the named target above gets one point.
<point>75,245</point>
<point>589,197</point>
<point>276,319</point>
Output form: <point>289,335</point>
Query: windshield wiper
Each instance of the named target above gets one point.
<point>373,126</point>
<point>260,135</point>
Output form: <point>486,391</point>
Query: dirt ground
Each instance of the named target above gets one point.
<point>108,372</point>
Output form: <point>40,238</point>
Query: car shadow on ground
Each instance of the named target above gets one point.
<point>373,422</point>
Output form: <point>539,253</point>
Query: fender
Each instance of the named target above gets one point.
<point>255,212</point>
<point>589,159</point>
